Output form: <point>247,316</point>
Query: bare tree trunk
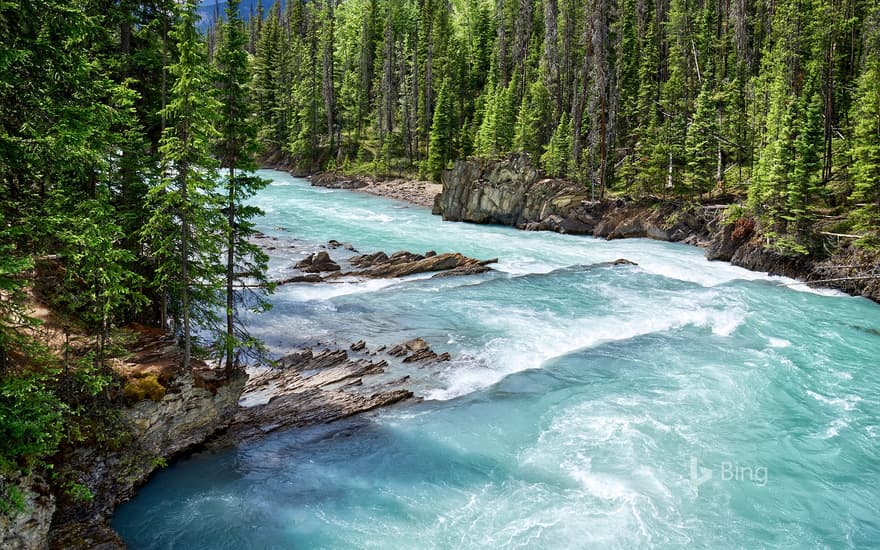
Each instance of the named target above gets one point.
<point>327,85</point>
<point>522,33</point>
<point>230,267</point>
<point>551,55</point>
<point>386,108</point>
<point>503,73</point>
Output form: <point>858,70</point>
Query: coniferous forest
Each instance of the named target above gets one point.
<point>130,132</point>
<point>773,101</point>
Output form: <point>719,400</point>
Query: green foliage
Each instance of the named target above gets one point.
<point>701,144</point>
<point>237,146</point>
<point>11,499</point>
<point>866,143</point>
<point>555,159</point>
<point>532,122</point>
<point>184,233</point>
<point>442,135</point>
<point>100,282</point>
<point>78,491</point>
<point>31,420</point>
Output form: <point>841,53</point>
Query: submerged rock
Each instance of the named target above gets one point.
<point>415,351</point>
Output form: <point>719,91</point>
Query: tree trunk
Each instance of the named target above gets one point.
<point>230,272</point>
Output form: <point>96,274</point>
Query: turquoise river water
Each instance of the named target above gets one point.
<point>676,403</point>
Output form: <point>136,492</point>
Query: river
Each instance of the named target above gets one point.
<point>676,402</point>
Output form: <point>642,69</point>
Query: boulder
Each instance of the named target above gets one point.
<point>317,263</point>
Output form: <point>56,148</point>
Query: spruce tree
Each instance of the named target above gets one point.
<point>441,134</point>
<point>535,113</point>
<point>700,144</point>
<point>866,140</point>
<point>236,150</point>
<point>185,233</point>
<point>557,157</point>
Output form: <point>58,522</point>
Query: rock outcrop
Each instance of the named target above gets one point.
<point>336,180</point>
<point>512,192</point>
<point>195,405</point>
<point>416,351</point>
<point>317,263</point>
<point>402,264</point>
<point>319,267</point>
<point>417,192</point>
<point>307,388</point>
<point>28,528</point>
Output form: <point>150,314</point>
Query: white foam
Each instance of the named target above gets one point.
<point>778,342</point>
<point>835,427</point>
<point>846,403</point>
<point>307,292</point>
<point>531,338</point>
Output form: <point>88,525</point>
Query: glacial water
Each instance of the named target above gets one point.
<point>674,403</point>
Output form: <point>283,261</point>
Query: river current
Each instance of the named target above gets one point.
<point>678,402</point>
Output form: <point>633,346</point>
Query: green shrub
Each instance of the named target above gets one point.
<point>31,421</point>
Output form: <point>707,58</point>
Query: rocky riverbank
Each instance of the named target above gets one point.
<point>165,411</point>
<point>169,411</point>
<point>417,192</point>
<point>511,192</point>
<point>310,387</point>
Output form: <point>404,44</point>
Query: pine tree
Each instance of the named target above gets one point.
<point>441,134</point>
<point>184,234</point>
<point>236,150</point>
<point>535,113</point>
<point>556,159</point>
<point>700,144</point>
<point>866,140</point>
<point>806,172</point>
<point>266,76</point>
<point>485,140</point>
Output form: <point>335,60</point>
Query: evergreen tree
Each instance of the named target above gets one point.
<point>700,144</point>
<point>236,150</point>
<point>806,171</point>
<point>535,113</point>
<point>866,140</point>
<point>442,134</point>
<point>184,234</point>
<point>556,159</point>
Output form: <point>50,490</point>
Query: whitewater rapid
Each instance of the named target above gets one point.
<point>584,406</point>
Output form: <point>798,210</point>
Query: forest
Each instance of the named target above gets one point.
<point>129,133</point>
<point>776,102</point>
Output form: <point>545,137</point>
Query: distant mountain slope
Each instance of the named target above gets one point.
<point>207,9</point>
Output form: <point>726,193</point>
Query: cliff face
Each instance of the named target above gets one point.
<point>28,529</point>
<point>511,192</point>
<point>194,407</point>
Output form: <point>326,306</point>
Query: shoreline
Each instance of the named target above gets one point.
<point>417,192</point>
<point>564,208</point>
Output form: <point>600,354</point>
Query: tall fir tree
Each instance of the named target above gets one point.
<point>236,149</point>
<point>866,139</point>
<point>185,233</point>
<point>442,134</point>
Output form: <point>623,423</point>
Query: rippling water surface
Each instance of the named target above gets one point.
<point>677,402</point>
